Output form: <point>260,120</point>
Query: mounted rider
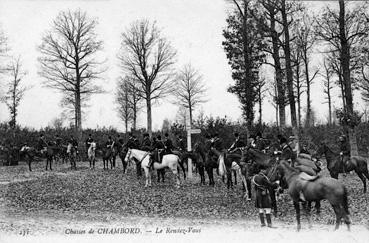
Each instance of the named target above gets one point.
<point>72,143</point>
<point>42,144</point>
<point>157,150</point>
<point>88,142</point>
<point>286,151</point>
<point>260,142</point>
<point>263,201</point>
<point>237,144</point>
<point>146,143</point>
<point>58,140</point>
<point>109,143</point>
<point>181,143</point>
<point>344,152</point>
<point>131,143</point>
<point>168,145</point>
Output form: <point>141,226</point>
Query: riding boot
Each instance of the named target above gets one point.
<point>269,220</point>
<point>261,216</point>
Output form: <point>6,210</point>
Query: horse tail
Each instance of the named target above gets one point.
<point>345,200</point>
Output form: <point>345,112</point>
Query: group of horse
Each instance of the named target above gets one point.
<point>302,181</point>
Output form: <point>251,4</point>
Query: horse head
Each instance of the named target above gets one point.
<point>128,155</point>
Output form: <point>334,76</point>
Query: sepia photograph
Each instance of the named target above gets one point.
<point>184,121</point>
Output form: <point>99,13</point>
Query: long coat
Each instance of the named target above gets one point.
<point>262,186</point>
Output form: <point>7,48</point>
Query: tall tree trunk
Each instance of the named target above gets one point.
<point>329,106</point>
<point>245,41</point>
<point>134,116</point>
<point>260,108</point>
<point>149,118</point>
<point>287,52</point>
<point>308,101</point>
<point>345,64</point>
<point>278,74</point>
<point>298,96</point>
<point>79,116</point>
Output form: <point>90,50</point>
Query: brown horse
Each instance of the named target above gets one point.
<point>302,187</point>
<point>335,164</point>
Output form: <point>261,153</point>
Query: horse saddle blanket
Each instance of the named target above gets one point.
<point>306,170</point>
<point>305,156</point>
<point>306,162</point>
<point>306,177</point>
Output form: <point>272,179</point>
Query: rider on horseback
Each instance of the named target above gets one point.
<point>42,144</point>
<point>158,148</point>
<point>146,143</point>
<point>89,140</point>
<point>237,144</point>
<point>168,144</point>
<point>344,152</point>
<point>260,142</point>
<point>181,144</point>
<point>109,143</point>
<point>287,152</point>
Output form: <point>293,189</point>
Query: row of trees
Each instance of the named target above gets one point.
<point>71,62</point>
<point>285,35</point>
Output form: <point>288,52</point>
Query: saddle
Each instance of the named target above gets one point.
<point>306,177</point>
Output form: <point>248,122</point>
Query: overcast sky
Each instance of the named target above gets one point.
<point>194,27</point>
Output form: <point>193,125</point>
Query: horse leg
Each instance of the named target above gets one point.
<point>235,177</point>
<point>317,207</point>
<point>248,184</point>
<point>51,161</point>
<point>273,201</point>
<point>29,164</point>
<point>296,204</point>
<point>307,206</point>
<point>362,178</point>
<point>338,211</point>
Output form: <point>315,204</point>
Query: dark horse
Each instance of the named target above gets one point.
<point>122,152</point>
<point>107,156</point>
<point>335,165</point>
<point>30,153</point>
<point>302,187</point>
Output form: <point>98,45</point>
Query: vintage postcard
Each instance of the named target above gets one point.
<point>184,121</point>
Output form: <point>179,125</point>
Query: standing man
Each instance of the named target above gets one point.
<point>181,144</point>
<point>263,201</point>
<point>287,152</point>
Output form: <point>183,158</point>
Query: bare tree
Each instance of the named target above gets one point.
<point>305,40</point>
<point>15,89</point>
<point>343,31</point>
<point>68,60</point>
<point>3,50</point>
<point>148,57</point>
<point>128,101</point>
<point>122,100</point>
<point>190,89</point>
<point>327,76</point>
<point>269,22</point>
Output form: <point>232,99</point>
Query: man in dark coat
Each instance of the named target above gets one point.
<point>260,142</point>
<point>42,144</point>
<point>287,152</point>
<point>181,143</point>
<point>263,200</point>
<point>89,140</point>
<point>58,140</point>
<point>168,144</point>
<point>344,152</point>
<point>237,144</point>
<point>146,143</point>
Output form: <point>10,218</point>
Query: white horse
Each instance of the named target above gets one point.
<point>170,161</point>
<point>91,153</point>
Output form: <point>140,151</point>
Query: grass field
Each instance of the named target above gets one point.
<point>47,202</point>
